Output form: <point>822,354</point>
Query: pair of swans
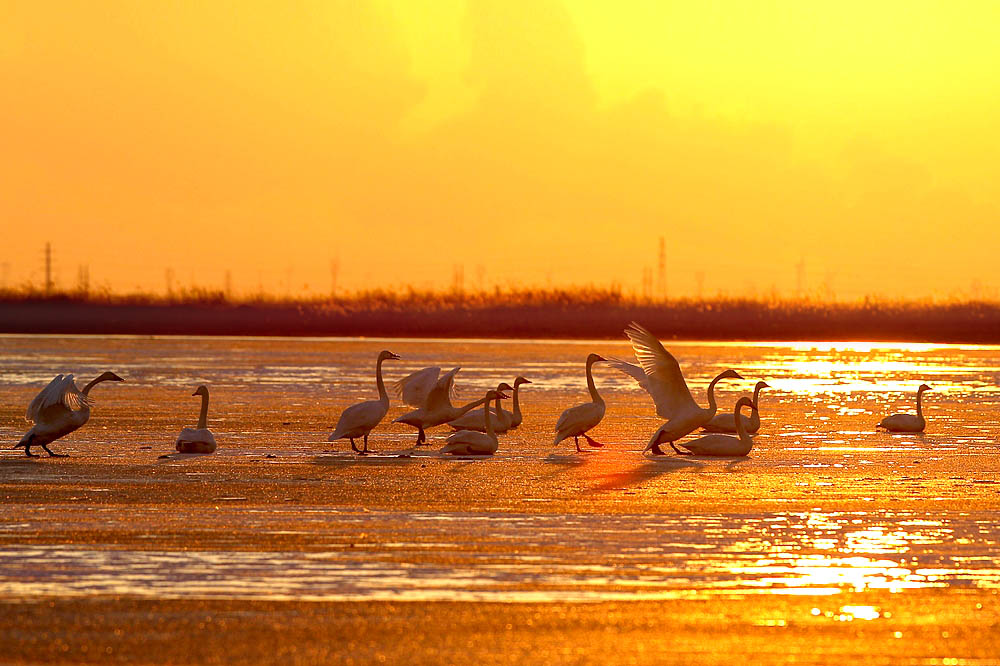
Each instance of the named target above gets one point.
<point>660,374</point>
<point>907,422</point>
<point>431,393</point>
<point>503,420</point>
<point>57,410</point>
<point>470,442</point>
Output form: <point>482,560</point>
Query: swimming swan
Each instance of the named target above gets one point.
<point>725,446</point>
<point>726,422</point>
<point>907,422</point>
<point>57,410</point>
<point>576,421</point>
<point>473,442</point>
<point>360,419</point>
<point>200,439</point>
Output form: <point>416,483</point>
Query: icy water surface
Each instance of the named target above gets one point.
<point>822,505</point>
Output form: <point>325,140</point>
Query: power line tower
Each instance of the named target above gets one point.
<point>83,279</point>
<point>48,269</point>
<point>170,282</point>
<point>229,285</point>
<point>334,272</point>
<point>661,273</point>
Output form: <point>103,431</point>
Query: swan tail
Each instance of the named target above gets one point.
<point>25,441</point>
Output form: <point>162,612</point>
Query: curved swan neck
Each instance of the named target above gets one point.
<point>382,395</point>
<point>920,399</point>
<point>92,384</point>
<point>470,406</point>
<point>203,417</point>
<point>516,409</point>
<point>741,429</point>
<point>712,406</point>
<point>594,395</point>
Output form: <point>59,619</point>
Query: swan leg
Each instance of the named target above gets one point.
<point>576,440</point>
<point>421,437</point>
<point>676,449</point>
<point>657,451</point>
<point>27,451</point>
<point>53,455</point>
<point>365,450</point>
<point>354,446</point>
<point>594,443</point>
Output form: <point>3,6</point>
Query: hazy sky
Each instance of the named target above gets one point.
<point>531,141</point>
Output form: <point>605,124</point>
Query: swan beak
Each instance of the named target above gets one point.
<point>195,393</point>
<point>394,357</point>
<point>504,396</point>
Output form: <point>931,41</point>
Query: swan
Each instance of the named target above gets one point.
<point>725,445</point>
<point>431,396</point>
<point>725,422</point>
<point>516,418</point>
<point>200,439</point>
<point>474,420</point>
<point>661,376</point>
<point>473,442</point>
<point>576,421</point>
<point>907,422</point>
<point>360,419</point>
<point>57,410</point>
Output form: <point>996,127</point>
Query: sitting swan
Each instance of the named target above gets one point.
<point>57,410</point>
<point>907,422</point>
<point>725,446</point>
<point>474,420</point>
<point>726,422</point>
<point>473,442</point>
<point>200,439</point>
<point>360,419</point>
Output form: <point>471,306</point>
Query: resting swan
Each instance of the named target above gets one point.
<point>57,410</point>
<point>725,446</point>
<point>727,423</point>
<point>576,421</point>
<point>474,420</point>
<point>432,398</point>
<point>473,442</point>
<point>907,422</point>
<point>199,439</point>
<point>360,419</point>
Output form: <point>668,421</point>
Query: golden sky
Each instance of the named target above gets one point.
<point>530,141</point>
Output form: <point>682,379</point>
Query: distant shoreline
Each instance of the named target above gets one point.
<point>971,323</point>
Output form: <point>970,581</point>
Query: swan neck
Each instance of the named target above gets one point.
<point>594,395</point>
<point>920,407</point>
<point>382,395</point>
<point>470,406</point>
<point>713,407</point>
<point>92,384</point>
<point>516,409</point>
<point>741,429</point>
<point>488,420</point>
<point>203,417</point>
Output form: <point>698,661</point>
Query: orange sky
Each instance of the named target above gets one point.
<point>533,142</point>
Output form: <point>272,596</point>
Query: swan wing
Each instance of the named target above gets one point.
<point>443,392</point>
<point>60,392</point>
<point>663,378</point>
<point>581,418</point>
<point>415,388</point>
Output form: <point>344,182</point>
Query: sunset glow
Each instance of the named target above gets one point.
<point>831,149</point>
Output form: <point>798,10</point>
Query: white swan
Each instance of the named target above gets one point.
<point>360,419</point>
<point>474,420</point>
<point>516,418</point>
<point>473,442</point>
<point>725,446</point>
<point>661,376</point>
<point>907,422</point>
<point>199,439</point>
<point>576,421</point>
<point>432,398</point>
<point>57,410</point>
<point>726,422</point>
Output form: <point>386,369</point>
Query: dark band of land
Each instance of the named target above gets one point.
<point>528,314</point>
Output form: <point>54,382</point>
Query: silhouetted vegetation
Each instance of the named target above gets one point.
<point>557,313</point>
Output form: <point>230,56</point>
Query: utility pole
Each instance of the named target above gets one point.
<point>83,279</point>
<point>229,285</point>
<point>661,276</point>
<point>48,269</point>
<point>699,280</point>
<point>458,278</point>
<point>170,282</point>
<point>800,277</point>
<point>334,271</point>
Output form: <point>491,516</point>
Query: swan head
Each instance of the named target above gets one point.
<point>761,385</point>
<point>923,387</point>
<point>595,358</point>
<point>730,374</point>
<point>201,390</point>
<point>109,377</point>
<point>744,402</point>
<point>493,395</point>
<point>386,355</point>
<point>521,380</point>
<point>502,387</point>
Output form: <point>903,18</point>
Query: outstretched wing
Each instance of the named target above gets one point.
<point>663,378</point>
<point>415,388</point>
<point>61,391</point>
<point>444,390</point>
